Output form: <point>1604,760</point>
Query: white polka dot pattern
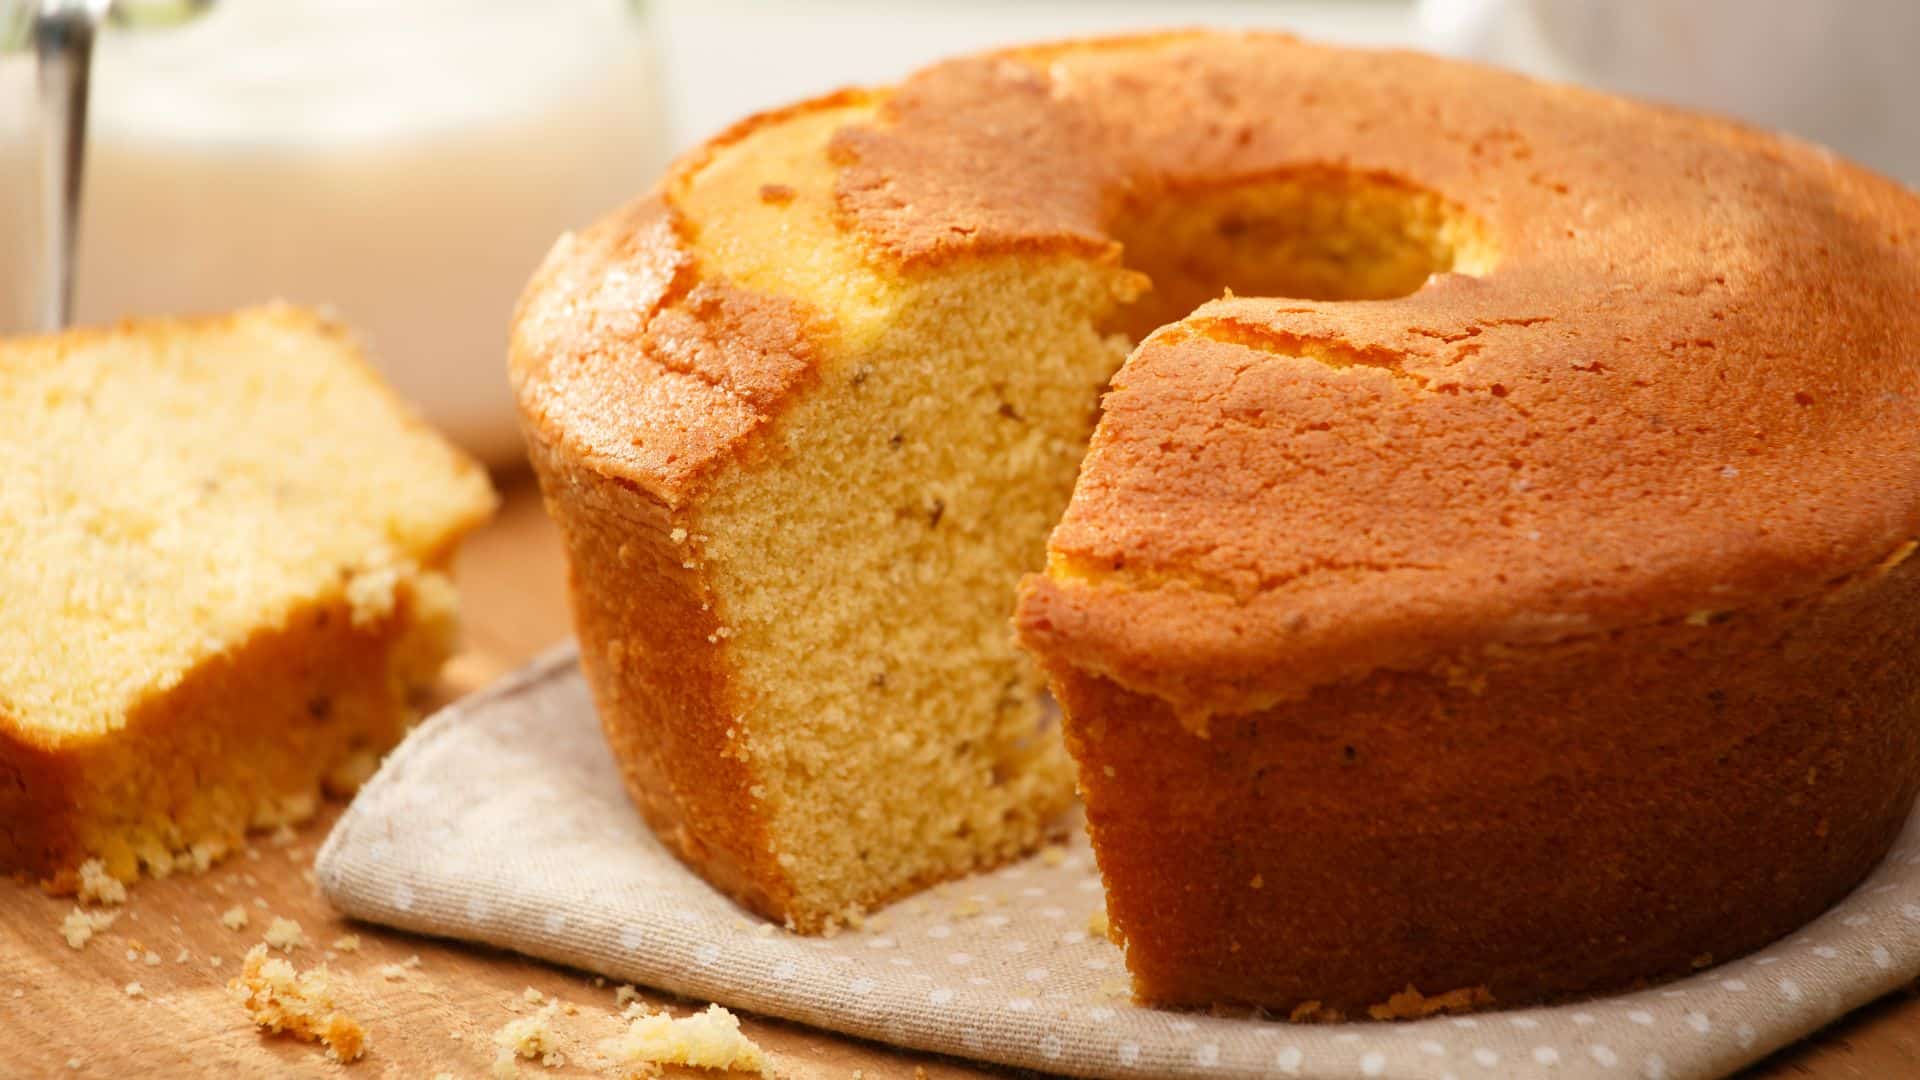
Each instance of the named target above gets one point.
<point>502,821</point>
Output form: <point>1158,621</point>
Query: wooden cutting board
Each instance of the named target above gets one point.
<point>67,1012</point>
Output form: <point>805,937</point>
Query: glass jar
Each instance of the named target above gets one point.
<point>404,163</point>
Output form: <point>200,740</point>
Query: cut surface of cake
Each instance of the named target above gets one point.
<point>223,557</point>
<point>1506,506</point>
<point>797,726</point>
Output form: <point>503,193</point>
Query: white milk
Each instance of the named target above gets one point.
<point>406,163</point>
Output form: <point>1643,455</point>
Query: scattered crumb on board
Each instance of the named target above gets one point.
<point>531,1037</point>
<point>80,925</point>
<point>705,1040</point>
<point>280,999</point>
<point>285,935</point>
<point>99,887</point>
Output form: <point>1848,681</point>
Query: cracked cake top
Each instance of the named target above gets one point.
<point>1612,363</point>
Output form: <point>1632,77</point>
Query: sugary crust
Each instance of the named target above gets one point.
<point>1684,321</point>
<point>1542,822</point>
<point>643,368</point>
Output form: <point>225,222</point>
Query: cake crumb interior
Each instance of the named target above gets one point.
<point>866,560</point>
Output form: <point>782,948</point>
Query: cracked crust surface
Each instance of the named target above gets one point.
<point>1571,440</point>
<point>1613,422</point>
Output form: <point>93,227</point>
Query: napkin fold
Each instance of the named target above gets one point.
<point>502,820</point>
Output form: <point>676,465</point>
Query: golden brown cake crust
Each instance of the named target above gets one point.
<point>1544,822</point>
<point>260,726</point>
<point>1685,320</point>
<point>1571,442</point>
<point>647,624</point>
<point>642,367</point>
<point>1679,385</point>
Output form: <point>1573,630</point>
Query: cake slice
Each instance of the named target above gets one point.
<point>796,491</point>
<point>223,555</point>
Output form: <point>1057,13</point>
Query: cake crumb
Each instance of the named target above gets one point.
<point>1411,1004</point>
<point>392,972</point>
<point>347,777</point>
<point>80,925</point>
<point>182,956</point>
<point>135,990</point>
<point>151,959</point>
<point>1097,922</point>
<point>200,856</point>
<point>235,918</point>
<point>624,993</point>
<point>99,887</point>
<point>214,961</point>
<point>1313,1012</point>
<point>283,836</point>
<point>531,1037</point>
<point>1053,854</point>
<point>347,943</point>
<point>280,999</point>
<point>532,996</point>
<point>372,592</point>
<point>705,1040</point>
<point>285,935</point>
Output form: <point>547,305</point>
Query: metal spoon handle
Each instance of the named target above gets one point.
<point>63,33</point>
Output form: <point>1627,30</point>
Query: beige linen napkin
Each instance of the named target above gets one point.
<point>502,820</point>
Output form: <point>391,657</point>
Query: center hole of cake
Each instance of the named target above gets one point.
<point>1307,234</point>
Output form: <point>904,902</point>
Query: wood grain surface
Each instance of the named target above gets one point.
<point>67,1013</point>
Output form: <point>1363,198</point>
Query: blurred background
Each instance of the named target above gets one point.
<point>407,162</point>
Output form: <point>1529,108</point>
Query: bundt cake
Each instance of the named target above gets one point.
<point>1489,577</point>
<point>223,546</point>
